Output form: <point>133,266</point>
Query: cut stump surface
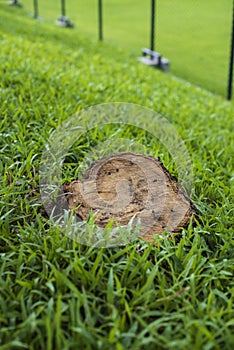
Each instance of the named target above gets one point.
<point>126,185</point>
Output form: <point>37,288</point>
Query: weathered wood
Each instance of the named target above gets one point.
<point>122,185</point>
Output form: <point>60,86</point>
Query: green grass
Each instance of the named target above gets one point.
<point>58,294</point>
<point>195,36</point>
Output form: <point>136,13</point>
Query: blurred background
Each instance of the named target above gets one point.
<point>194,35</point>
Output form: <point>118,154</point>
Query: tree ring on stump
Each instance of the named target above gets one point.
<point>126,185</point>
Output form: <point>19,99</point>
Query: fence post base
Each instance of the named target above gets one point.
<point>154,59</point>
<point>15,3</point>
<point>63,21</point>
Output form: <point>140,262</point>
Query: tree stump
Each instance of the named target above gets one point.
<point>126,185</point>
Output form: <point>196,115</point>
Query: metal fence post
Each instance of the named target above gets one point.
<point>149,56</point>
<point>63,21</point>
<point>230,76</point>
<point>100,20</point>
<point>152,27</point>
<point>63,8</point>
<point>36,12</point>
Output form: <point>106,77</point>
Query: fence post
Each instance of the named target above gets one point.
<point>152,27</point>
<point>230,76</point>
<point>63,21</point>
<point>149,56</point>
<point>36,12</point>
<point>63,8</point>
<point>100,21</point>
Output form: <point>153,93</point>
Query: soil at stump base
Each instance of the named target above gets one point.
<point>122,185</point>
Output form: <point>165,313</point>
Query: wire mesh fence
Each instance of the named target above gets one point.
<point>194,35</point>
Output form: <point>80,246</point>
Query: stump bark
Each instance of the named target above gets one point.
<point>126,185</point>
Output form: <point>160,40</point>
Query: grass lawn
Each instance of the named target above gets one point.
<point>58,294</point>
<point>195,36</point>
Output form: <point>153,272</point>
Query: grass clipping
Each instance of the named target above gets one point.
<point>126,185</point>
